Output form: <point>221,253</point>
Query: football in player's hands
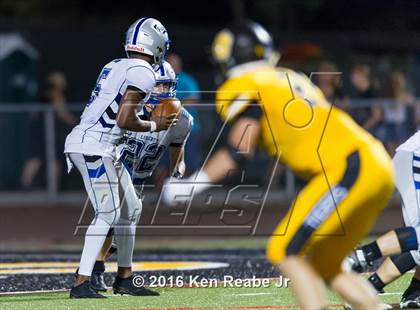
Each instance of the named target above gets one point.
<point>166,113</point>
<point>166,107</point>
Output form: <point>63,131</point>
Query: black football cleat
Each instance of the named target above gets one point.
<point>97,278</point>
<point>97,281</point>
<point>357,262</point>
<point>84,290</point>
<point>410,299</point>
<point>125,286</point>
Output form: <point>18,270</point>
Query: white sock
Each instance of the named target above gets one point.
<point>124,234</point>
<point>94,240</point>
<point>202,181</point>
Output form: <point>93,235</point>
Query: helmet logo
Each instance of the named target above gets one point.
<point>222,46</point>
<point>160,28</point>
<point>135,49</point>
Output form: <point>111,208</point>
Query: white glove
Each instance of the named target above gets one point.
<point>180,190</point>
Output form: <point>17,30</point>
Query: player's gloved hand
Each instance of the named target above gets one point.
<point>177,191</point>
<point>164,122</point>
<point>177,175</point>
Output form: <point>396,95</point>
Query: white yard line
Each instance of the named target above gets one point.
<point>389,294</point>
<point>33,292</point>
<point>250,294</point>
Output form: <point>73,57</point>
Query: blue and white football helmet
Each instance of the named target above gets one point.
<point>165,87</point>
<point>148,36</point>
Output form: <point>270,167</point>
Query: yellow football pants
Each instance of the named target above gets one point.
<point>334,211</point>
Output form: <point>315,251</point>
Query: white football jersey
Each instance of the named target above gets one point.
<point>142,151</point>
<point>412,144</point>
<point>98,133</point>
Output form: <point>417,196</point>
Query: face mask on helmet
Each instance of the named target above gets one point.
<point>160,55</point>
<point>165,86</point>
<point>163,89</point>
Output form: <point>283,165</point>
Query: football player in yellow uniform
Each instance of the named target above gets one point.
<point>349,174</point>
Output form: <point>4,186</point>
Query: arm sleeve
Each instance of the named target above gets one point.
<point>141,77</point>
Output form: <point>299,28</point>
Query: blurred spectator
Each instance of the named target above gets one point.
<point>18,80</point>
<point>416,116</point>
<point>362,88</point>
<point>329,80</point>
<point>189,94</point>
<point>52,92</point>
<point>396,124</point>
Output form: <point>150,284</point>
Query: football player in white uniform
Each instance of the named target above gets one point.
<point>122,85</point>
<point>400,246</point>
<point>139,155</point>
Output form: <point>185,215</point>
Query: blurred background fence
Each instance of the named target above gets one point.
<point>33,168</point>
<point>52,51</point>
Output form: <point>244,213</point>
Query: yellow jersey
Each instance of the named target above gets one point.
<point>297,123</point>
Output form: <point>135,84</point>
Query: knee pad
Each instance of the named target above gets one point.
<point>109,217</point>
<point>404,262</point>
<point>124,222</point>
<point>135,212</point>
<point>130,216</point>
<point>131,208</point>
<point>135,217</point>
<point>407,238</point>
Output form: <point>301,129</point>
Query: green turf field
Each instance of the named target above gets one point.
<point>186,298</point>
